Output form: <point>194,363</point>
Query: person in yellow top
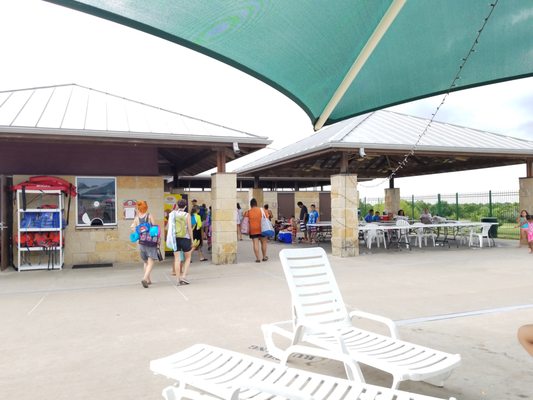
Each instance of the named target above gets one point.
<point>179,238</point>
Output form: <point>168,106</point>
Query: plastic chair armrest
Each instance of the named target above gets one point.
<point>393,328</point>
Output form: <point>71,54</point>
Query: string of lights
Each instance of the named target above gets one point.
<point>457,77</point>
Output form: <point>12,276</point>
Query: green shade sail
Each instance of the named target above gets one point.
<point>306,48</point>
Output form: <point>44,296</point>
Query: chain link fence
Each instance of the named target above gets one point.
<point>501,207</point>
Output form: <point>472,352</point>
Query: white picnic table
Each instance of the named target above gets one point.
<point>323,230</point>
<point>445,231</point>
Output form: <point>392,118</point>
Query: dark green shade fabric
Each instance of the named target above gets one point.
<point>305,48</point>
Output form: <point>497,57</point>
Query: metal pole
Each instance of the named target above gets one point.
<point>457,206</point>
<point>439,206</point>
<point>490,203</point>
<point>413,206</point>
<point>362,57</point>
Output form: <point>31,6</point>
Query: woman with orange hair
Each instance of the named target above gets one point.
<point>148,253</point>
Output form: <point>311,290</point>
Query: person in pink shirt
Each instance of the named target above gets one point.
<point>529,230</point>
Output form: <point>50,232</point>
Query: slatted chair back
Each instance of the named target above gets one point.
<point>208,372</point>
<point>316,298</point>
<point>402,223</point>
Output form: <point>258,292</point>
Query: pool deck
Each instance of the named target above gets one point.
<point>91,333</point>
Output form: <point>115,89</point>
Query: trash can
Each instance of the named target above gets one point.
<point>493,231</point>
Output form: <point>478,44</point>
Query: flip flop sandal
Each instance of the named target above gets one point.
<point>184,282</point>
<point>203,259</point>
<point>265,258</point>
<point>257,260</point>
<point>144,283</point>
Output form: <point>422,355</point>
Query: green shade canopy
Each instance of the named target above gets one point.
<point>400,50</point>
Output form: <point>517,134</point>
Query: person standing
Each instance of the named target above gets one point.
<point>522,222</point>
<point>255,214</point>
<point>314,217</point>
<point>197,232</point>
<point>148,253</point>
<point>304,217</point>
<point>268,212</point>
<point>238,218</point>
<point>529,231</point>
<point>179,238</point>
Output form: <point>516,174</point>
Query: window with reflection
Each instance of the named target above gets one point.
<point>96,201</point>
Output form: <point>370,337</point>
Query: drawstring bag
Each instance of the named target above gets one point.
<point>267,230</point>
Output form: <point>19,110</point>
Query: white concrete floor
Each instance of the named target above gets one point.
<point>90,333</point>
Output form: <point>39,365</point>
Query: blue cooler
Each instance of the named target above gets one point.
<point>285,237</point>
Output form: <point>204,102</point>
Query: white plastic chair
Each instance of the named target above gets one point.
<point>483,234</point>
<point>320,318</point>
<point>403,233</point>
<point>208,372</point>
<point>424,233</point>
<point>374,234</point>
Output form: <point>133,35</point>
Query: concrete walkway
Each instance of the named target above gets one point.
<point>91,333</point>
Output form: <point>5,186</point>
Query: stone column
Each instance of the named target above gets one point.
<point>344,204</point>
<point>224,229</point>
<point>255,193</point>
<point>526,197</point>
<point>392,200</point>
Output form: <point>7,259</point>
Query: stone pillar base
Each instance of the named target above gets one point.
<point>224,226</point>
<point>392,200</point>
<point>344,204</point>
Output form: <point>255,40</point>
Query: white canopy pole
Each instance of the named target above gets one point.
<point>371,44</point>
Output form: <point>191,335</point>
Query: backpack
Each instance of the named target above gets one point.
<point>146,232</point>
<point>180,218</point>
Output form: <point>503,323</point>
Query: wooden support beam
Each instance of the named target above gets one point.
<point>175,175</point>
<point>529,167</point>
<point>344,163</point>
<point>221,161</point>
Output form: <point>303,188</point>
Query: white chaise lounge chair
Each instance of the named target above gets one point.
<point>206,372</point>
<point>320,318</point>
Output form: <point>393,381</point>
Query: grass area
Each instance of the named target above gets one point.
<point>508,231</point>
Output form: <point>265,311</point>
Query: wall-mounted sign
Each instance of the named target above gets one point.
<point>129,209</point>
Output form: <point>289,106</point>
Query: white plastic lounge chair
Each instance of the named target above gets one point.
<point>207,372</point>
<point>320,318</point>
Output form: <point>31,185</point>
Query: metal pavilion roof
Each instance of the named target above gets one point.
<point>76,110</point>
<point>386,138</point>
<point>70,116</point>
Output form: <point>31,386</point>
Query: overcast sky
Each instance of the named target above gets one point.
<point>44,44</point>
